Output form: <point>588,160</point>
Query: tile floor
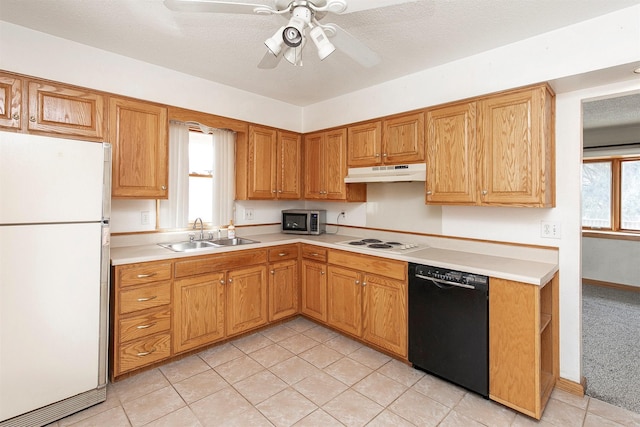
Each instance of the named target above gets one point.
<point>302,374</point>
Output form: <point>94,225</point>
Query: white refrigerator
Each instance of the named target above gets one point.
<point>54,276</point>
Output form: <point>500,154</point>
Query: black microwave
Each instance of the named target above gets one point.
<point>304,221</point>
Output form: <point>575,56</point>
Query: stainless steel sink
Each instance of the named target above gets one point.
<point>197,245</point>
<point>189,246</point>
<point>233,242</point>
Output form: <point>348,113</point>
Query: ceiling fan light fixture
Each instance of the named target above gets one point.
<point>320,39</point>
<point>293,33</point>
<point>294,54</point>
<point>274,43</point>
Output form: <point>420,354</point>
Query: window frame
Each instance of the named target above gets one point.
<point>616,193</point>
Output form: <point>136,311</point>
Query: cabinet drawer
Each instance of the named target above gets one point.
<point>314,252</point>
<point>145,297</point>
<point>370,264</point>
<point>216,263</point>
<point>282,253</point>
<point>138,274</point>
<point>145,351</point>
<point>145,324</point>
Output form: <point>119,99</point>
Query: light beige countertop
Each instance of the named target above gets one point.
<point>535,272</point>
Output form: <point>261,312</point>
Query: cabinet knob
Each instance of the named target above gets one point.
<point>429,193</point>
<point>279,191</point>
<point>484,192</point>
<point>377,154</point>
<point>273,272</point>
<point>357,282</point>
<point>15,116</point>
<point>273,191</point>
<point>164,187</point>
<point>384,155</point>
<point>222,282</point>
<point>364,283</point>
<point>32,119</point>
<point>322,272</point>
<point>230,280</point>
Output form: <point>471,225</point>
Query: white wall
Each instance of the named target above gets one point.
<point>610,260</point>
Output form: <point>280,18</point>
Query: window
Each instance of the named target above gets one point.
<point>200,177</point>
<point>611,194</point>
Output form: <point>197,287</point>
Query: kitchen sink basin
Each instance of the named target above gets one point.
<point>190,245</point>
<point>233,242</point>
<point>196,245</point>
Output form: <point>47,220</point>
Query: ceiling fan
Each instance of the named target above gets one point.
<point>304,15</point>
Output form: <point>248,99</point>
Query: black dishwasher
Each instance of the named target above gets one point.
<point>448,325</point>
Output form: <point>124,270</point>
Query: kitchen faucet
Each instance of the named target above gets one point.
<point>201,227</point>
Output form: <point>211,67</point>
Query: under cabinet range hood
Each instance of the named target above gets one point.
<point>392,173</point>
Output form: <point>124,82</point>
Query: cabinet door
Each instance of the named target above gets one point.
<point>385,313</point>
<point>247,304</point>
<point>512,148</point>
<point>514,343</point>
<point>289,179</point>
<point>198,311</point>
<point>314,166</point>
<point>262,163</point>
<point>66,110</point>
<point>314,290</point>
<point>138,134</point>
<point>451,155</point>
<point>283,289</point>
<point>403,139</point>
<point>335,163</point>
<point>10,101</point>
<point>344,297</point>
<point>364,144</point>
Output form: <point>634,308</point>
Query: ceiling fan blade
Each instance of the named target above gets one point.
<point>217,7</point>
<point>353,47</point>
<point>269,60</point>
<point>360,5</point>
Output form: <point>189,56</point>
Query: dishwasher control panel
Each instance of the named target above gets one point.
<point>453,276</point>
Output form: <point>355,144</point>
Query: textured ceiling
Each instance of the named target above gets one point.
<point>618,111</point>
<point>409,37</point>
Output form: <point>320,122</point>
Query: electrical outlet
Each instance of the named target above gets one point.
<point>550,229</point>
<point>248,214</point>
<point>144,217</point>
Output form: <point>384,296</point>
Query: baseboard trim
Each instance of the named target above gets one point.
<point>571,386</point>
<point>611,285</point>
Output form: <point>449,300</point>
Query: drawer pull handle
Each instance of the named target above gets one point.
<point>145,326</point>
<point>315,254</point>
<point>144,276</point>
<point>147,299</point>
<point>146,353</point>
<point>282,254</point>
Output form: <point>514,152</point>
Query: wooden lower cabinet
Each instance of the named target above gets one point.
<point>344,300</point>
<point>313,282</point>
<point>369,306</point>
<point>198,311</point>
<point>141,316</point>
<point>247,305</point>
<point>283,289</point>
<point>523,344</point>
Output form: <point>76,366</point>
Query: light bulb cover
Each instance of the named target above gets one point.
<point>320,39</point>
<point>293,32</point>
<point>274,43</point>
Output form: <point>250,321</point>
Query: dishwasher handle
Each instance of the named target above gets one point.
<point>439,282</point>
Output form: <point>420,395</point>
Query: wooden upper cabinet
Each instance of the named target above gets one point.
<point>10,101</point>
<point>325,160</point>
<point>66,110</point>
<point>273,164</point>
<point>365,144</point>
<point>403,139</point>
<point>497,150</point>
<point>451,155</point>
<point>262,162</point>
<point>516,137</point>
<point>289,165</point>
<point>138,134</point>
<point>398,139</point>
